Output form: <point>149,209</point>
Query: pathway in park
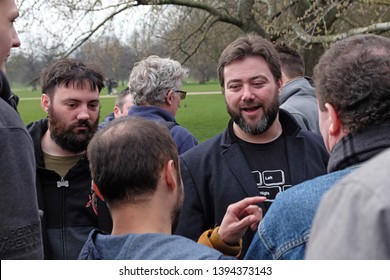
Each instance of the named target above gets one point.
<point>104,95</point>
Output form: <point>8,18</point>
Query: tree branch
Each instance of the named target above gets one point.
<point>195,4</point>
<point>312,39</point>
<point>90,33</point>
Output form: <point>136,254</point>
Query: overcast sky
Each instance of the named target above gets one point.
<point>40,24</point>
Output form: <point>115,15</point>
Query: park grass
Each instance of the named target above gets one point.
<point>204,115</point>
<point>190,86</point>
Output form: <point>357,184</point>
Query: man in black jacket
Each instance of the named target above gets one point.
<point>263,151</point>
<point>20,230</point>
<point>70,97</point>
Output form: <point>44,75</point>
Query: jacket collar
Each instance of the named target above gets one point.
<point>358,147</point>
<point>151,112</point>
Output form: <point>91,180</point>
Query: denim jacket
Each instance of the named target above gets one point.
<point>284,235</point>
<point>285,229</point>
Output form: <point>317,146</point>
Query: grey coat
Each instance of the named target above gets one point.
<point>353,220</point>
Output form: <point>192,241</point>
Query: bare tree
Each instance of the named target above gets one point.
<point>310,25</point>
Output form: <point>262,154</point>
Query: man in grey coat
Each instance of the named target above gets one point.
<point>353,219</point>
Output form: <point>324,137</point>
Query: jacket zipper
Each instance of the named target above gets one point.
<point>62,185</point>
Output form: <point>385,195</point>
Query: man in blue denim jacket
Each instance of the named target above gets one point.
<point>353,89</point>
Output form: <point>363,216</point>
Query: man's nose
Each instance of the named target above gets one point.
<point>247,93</point>
<point>15,39</point>
<point>83,113</point>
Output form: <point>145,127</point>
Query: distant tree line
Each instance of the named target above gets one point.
<point>192,32</point>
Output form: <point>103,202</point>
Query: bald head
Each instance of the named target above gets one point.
<point>126,158</point>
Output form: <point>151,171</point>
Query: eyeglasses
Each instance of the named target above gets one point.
<point>182,93</point>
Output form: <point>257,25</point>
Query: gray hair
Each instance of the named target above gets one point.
<point>153,77</point>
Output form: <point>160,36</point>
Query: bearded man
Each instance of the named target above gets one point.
<point>263,151</point>
<point>70,97</point>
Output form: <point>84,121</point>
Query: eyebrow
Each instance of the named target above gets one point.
<point>78,100</point>
<point>250,79</point>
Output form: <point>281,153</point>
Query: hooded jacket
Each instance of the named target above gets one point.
<point>299,100</point>
<point>67,220</point>
<point>147,246</point>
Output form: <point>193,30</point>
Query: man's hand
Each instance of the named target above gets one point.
<point>239,216</point>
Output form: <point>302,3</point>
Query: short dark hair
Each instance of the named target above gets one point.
<point>291,61</point>
<point>353,76</point>
<point>71,71</point>
<point>119,101</point>
<point>127,156</point>
<point>249,45</point>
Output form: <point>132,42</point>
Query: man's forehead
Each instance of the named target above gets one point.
<point>76,86</point>
<point>70,92</point>
<point>8,8</point>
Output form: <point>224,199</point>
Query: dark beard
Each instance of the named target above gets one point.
<point>66,138</point>
<point>260,127</point>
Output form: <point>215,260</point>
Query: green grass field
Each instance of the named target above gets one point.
<point>204,115</point>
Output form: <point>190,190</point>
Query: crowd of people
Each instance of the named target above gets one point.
<point>298,173</point>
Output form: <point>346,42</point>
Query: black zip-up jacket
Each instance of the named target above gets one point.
<point>67,219</point>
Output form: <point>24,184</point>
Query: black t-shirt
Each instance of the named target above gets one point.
<point>269,165</point>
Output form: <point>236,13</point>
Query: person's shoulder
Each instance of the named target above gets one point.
<point>205,148</point>
<point>168,247</point>
<point>315,185</point>
<point>308,191</point>
<point>175,127</point>
<point>193,250</point>
<point>39,124</point>
<point>367,179</point>
<point>311,137</point>
<point>8,114</point>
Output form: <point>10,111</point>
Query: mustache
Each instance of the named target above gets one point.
<point>83,123</point>
<point>251,104</point>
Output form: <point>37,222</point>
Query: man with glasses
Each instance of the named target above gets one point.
<point>155,83</point>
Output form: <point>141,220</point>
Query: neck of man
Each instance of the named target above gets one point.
<point>272,133</point>
<point>168,108</point>
<point>149,216</point>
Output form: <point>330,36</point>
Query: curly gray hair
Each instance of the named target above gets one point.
<point>151,78</point>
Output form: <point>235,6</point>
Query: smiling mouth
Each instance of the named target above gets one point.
<point>251,109</point>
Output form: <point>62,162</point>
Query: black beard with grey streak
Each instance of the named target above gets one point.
<point>66,138</point>
<point>263,125</point>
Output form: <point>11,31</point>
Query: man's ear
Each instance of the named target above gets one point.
<point>117,111</point>
<point>171,175</point>
<point>280,85</point>
<point>45,102</point>
<point>335,124</point>
<point>169,97</point>
<point>97,191</point>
